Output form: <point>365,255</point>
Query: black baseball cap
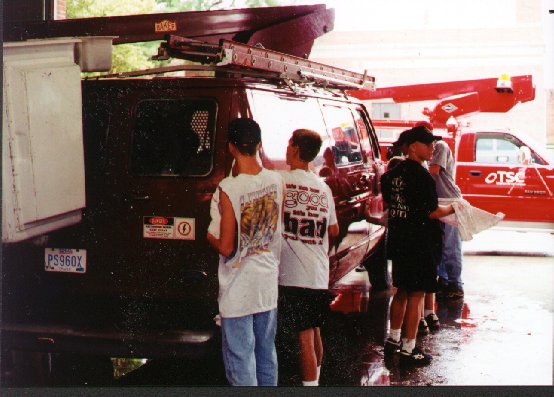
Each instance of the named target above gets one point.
<point>244,132</point>
<point>416,134</point>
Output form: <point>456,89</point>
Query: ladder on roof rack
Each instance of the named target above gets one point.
<point>247,57</point>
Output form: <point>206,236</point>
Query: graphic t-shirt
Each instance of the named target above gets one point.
<point>308,211</point>
<point>410,193</point>
<point>248,279</point>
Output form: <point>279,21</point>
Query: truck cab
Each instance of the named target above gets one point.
<point>502,171</point>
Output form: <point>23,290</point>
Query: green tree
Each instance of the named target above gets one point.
<point>203,5</point>
<point>125,57</point>
<point>135,56</point>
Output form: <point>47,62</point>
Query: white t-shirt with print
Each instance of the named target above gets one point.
<point>248,279</point>
<point>309,209</point>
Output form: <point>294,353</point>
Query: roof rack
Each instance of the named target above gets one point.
<point>242,58</point>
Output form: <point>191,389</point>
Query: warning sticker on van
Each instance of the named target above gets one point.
<point>168,228</point>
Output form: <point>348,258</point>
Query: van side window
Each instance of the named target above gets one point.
<point>340,125</point>
<point>368,139</point>
<point>278,117</point>
<point>173,137</point>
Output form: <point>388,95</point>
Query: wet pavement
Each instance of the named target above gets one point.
<point>500,333</point>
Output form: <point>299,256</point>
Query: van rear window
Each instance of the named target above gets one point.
<point>173,137</point>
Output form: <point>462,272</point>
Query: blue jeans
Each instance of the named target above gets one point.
<point>248,344</point>
<point>450,267</point>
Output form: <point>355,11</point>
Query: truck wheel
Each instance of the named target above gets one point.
<point>377,267</point>
<point>25,368</point>
<point>70,369</point>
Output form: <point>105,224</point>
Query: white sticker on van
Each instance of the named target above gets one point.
<point>168,228</point>
<point>506,178</point>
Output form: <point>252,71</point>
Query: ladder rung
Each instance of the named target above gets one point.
<point>246,57</point>
<point>290,66</point>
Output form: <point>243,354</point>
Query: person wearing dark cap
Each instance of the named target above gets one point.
<point>414,242</point>
<point>249,244</point>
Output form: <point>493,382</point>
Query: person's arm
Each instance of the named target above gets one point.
<point>434,169</point>
<point>333,230</point>
<point>225,244</point>
<point>441,211</point>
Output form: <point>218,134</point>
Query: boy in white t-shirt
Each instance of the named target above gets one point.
<point>249,244</point>
<point>309,220</point>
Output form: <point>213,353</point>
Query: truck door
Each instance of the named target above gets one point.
<point>508,176</point>
<point>351,182</point>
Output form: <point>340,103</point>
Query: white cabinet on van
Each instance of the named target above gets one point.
<point>43,175</point>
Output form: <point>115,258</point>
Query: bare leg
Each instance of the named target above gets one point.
<point>413,313</point>
<point>318,345</point>
<point>430,301</point>
<point>398,309</point>
<point>308,360</point>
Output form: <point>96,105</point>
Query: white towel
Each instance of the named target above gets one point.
<point>468,219</point>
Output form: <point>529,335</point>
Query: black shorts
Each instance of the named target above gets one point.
<point>415,275</point>
<point>302,308</point>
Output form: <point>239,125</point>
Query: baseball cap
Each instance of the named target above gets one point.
<point>244,132</point>
<point>416,134</point>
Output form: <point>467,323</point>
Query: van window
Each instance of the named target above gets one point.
<point>173,137</point>
<point>278,116</point>
<point>368,140</point>
<point>340,125</point>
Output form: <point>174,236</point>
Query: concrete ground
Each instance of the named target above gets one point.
<point>500,333</point>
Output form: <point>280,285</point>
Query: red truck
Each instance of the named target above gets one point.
<point>496,170</point>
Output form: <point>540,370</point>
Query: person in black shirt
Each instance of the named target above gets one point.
<point>414,242</point>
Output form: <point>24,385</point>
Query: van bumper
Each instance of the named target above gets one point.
<point>140,344</point>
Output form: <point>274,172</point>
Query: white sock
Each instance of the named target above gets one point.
<point>408,344</point>
<point>395,334</point>
<point>318,371</point>
<point>427,312</point>
<point>310,383</point>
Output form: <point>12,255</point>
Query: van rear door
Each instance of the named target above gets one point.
<point>149,204</point>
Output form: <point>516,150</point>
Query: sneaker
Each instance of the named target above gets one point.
<point>432,321</point>
<point>392,346</point>
<point>417,357</point>
<point>422,328</point>
<point>454,293</point>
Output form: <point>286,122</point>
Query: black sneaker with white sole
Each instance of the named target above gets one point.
<point>416,358</point>
<point>392,346</point>
<point>432,322</point>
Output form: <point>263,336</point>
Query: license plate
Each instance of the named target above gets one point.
<point>67,260</point>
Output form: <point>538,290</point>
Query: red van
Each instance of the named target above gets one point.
<point>136,277</point>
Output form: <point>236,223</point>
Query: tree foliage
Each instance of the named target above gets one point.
<point>135,56</point>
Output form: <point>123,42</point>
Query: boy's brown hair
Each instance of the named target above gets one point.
<point>309,143</point>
